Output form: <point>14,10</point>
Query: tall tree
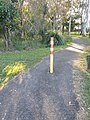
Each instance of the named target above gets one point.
<point>7,14</point>
<point>71,10</point>
<point>83,12</point>
<point>88,17</point>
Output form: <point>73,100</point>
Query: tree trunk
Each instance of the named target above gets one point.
<point>61,26</point>
<point>51,24</point>
<point>69,30</point>
<point>83,29</point>
<point>6,41</point>
<point>55,24</point>
<point>63,29</point>
<point>89,32</point>
<point>7,38</point>
<point>88,14</point>
<point>43,24</point>
<point>22,32</point>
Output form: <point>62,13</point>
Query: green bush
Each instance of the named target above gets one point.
<point>11,70</point>
<point>58,39</point>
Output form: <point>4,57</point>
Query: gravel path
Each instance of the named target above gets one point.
<point>38,95</point>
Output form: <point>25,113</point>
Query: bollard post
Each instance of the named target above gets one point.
<point>51,54</point>
<point>88,62</point>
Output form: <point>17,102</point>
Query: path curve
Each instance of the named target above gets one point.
<point>38,95</point>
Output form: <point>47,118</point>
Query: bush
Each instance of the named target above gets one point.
<point>58,39</point>
<point>11,70</point>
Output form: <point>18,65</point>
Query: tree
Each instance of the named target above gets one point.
<point>88,18</point>
<point>58,13</point>
<point>83,13</point>
<point>7,23</point>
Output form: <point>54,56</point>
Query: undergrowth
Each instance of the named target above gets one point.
<point>11,70</point>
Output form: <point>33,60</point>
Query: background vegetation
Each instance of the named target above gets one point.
<point>24,27</point>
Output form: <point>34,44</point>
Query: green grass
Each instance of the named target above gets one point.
<point>67,38</point>
<point>77,34</point>
<point>85,85</point>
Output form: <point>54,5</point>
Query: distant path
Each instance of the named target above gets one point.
<point>38,95</point>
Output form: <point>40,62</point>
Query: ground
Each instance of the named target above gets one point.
<point>38,95</point>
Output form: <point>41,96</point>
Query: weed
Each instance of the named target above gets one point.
<point>11,70</point>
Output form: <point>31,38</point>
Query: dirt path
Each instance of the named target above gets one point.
<point>38,95</point>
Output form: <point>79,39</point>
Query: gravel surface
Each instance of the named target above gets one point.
<point>39,95</point>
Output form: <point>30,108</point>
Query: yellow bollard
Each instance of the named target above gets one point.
<point>51,54</point>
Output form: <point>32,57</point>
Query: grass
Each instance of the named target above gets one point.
<point>85,84</point>
<point>77,34</point>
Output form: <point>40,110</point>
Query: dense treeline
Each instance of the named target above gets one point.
<point>27,20</point>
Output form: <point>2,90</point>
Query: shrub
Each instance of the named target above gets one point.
<point>11,70</point>
<point>58,39</point>
<point>14,68</point>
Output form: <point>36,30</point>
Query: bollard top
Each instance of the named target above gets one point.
<point>52,38</point>
<point>52,41</point>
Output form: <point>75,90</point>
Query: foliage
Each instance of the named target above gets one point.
<point>19,17</point>
<point>11,70</point>
<point>7,12</point>
<point>58,39</point>
<point>7,22</point>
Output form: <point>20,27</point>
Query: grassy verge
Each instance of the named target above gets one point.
<point>85,84</point>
